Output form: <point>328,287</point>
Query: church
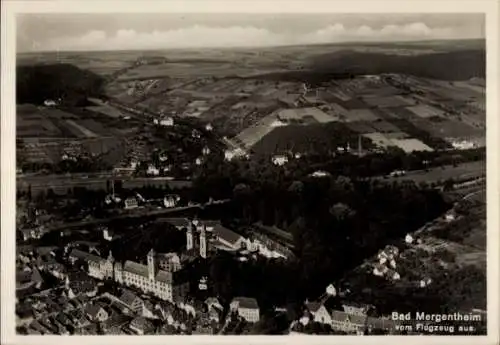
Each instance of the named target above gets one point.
<point>163,275</point>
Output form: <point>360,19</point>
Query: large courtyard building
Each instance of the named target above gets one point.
<point>162,276</point>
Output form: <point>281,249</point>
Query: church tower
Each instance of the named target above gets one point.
<point>108,268</point>
<point>118,270</point>
<point>189,236</point>
<point>203,242</point>
<point>151,264</point>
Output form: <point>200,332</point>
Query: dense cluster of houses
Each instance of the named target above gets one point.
<point>77,308</point>
<point>386,265</point>
<point>341,316</point>
<point>145,301</point>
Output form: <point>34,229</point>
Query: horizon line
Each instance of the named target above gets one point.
<point>250,47</point>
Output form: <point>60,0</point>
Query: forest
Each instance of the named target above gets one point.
<point>336,223</point>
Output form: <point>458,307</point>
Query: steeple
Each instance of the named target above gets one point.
<point>110,257</point>
<point>189,235</point>
<point>152,264</point>
<point>203,242</point>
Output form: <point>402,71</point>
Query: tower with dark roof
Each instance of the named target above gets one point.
<point>203,242</point>
<point>151,264</point>
<point>189,236</point>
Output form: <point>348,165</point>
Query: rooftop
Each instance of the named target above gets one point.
<point>128,297</point>
<point>226,234</point>
<point>79,254</point>
<point>177,222</point>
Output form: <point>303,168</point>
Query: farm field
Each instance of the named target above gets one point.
<point>182,70</point>
<point>302,113</point>
<point>394,99</point>
<point>461,171</point>
<point>45,134</point>
<point>410,145</point>
<point>425,111</point>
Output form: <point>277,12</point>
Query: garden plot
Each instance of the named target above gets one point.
<point>106,110</point>
<point>411,145</point>
<point>75,127</point>
<point>379,139</point>
<point>384,126</point>
<point>450,129</point>
<point>425,111</point>
<point>393,101</point>
<point>396,135</point>
<point>361,115</point>
<point>360,127</point>
<point>299,114</point>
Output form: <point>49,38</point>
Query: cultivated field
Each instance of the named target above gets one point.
<point>399,94</point>
<point>461,171</point>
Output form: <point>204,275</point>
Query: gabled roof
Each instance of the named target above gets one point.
<point>246,302</point>
<point>341,316</point>
<point>136,268</point>
<point>166,306</point>
<point>79,254</point>
<point>210,301</point>
<point>148,305</point>
<point>128,297</point>
<point>93,309</point>
<point>36,276</point>
<point>226,234</point>
<point>178,222</point>
<point>80,282</point>
<point>141,323</point>
<point>164,277</point>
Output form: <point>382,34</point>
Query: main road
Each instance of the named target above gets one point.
<point>132,215</point>
<point>61,183</point>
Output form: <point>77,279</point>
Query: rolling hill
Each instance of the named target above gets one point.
<point>37,83</point>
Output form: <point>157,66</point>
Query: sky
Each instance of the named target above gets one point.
<point>104,31</point>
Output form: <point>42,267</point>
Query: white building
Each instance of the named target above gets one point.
<point>246,307</point>
<point>330,290</point>
<point>380,270</point>
<point>450,216</point>
<point>152,170</point>
<point>133,164</point>
<point>205,151</point>
<point>107,235</point>
<point>278,123</point>
<point>236,153</point>
<point>131,203</point>
<point>409,239</point>
<point>320,173</point>
<point>279,160</point>
<point>170,201</point>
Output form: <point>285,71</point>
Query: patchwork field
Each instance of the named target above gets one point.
<point>301,113</point>
<point>44,134</point>
<point>461,171</point>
